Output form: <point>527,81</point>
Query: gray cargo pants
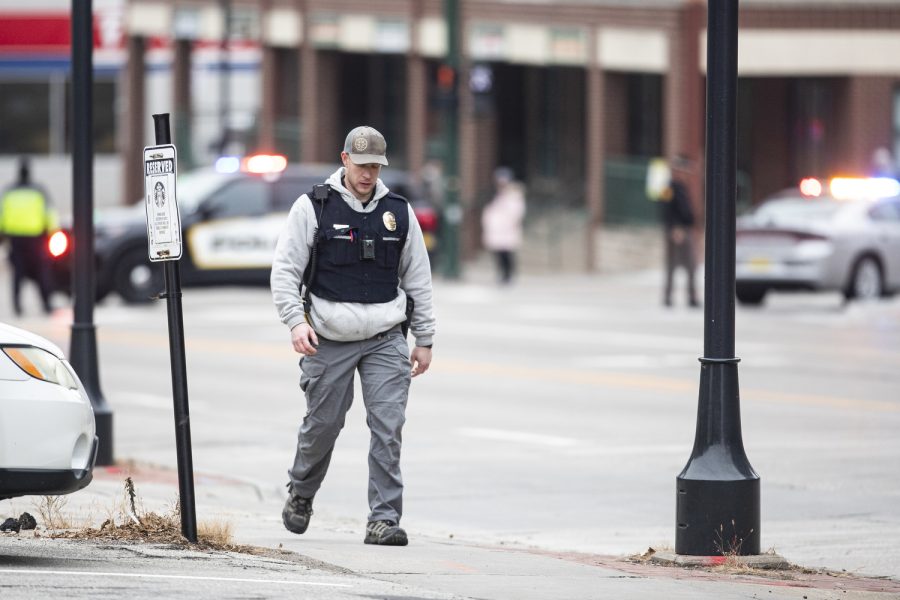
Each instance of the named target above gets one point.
<point>327,379</point>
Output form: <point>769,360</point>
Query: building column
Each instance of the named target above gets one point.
<point>416,98</point>
<point>535,119</point>
<point>416,114</point>
<point>134,121</point>
<point>328,127</point>
<point>270,89</point>
<point>684,128</point>
<point>470,226</point>
<point>181,91</point>
<point>265,134</point>
<point>309,89</point>
<point>869,121</point>
<point>469,160</point>
<point>595,151</point>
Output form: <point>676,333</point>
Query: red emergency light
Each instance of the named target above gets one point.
<point>265,163</point>
<point>58,244</point>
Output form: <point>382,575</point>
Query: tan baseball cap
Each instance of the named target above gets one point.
<point>366,145</point>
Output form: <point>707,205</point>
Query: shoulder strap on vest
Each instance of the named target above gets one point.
<point>394,196</point>
<point>318,195</point>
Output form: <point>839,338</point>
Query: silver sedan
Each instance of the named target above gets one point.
<point>821,243</point>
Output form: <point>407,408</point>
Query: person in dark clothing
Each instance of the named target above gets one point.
<point>27,219</point>
<point>678,222</point>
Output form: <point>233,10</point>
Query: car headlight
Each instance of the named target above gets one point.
<point>42,365</point>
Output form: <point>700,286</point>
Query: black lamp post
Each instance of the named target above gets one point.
<point>718,503</point>
<point>448,84</point>
<point>83,343</point>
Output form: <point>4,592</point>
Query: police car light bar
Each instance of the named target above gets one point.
<point>228,164</point>
<point>811,187</point>
<point>846,188</point>
<point>264,163</point>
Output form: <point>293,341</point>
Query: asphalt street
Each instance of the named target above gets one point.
<point>556,415</point>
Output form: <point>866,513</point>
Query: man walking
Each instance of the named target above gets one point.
<point>27,219</point>
<point>678,221</point>
<point>356,250</point>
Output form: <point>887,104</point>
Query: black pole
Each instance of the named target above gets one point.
<point>179,373</point>
<point>83,343</point>
<point>452,209</point>
<point>718,498</point>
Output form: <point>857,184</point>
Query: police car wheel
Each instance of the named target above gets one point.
<point>866,280</point>
<point>136,279</point>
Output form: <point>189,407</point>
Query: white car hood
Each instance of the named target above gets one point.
<point>14,335</point>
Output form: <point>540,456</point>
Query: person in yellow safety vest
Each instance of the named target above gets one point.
<point>27,219</point>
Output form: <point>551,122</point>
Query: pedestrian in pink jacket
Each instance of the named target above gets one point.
<point>501,222</point>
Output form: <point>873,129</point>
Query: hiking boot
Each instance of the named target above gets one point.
<point>385,533</point>
<point>296,513</point>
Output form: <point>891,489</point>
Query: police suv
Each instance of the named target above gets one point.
<point>231,216</point>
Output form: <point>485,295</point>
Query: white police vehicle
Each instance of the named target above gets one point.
<point>231,216</point>
<point>844,237</point>
<point>48,442</point>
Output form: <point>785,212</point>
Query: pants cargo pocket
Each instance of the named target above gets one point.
<point>311,371</point>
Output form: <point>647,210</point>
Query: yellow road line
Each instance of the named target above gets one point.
<point>283,351</point>
<point>654,383</point>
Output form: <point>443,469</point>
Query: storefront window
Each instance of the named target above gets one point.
<point>812,115</point>
<point>37,116</point>
<point>104,115</point>
<point>644,115</point>
<point>25,126</point>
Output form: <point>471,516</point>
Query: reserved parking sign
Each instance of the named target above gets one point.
<point>163,218</point>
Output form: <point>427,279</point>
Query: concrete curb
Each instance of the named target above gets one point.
<point>755,561</point>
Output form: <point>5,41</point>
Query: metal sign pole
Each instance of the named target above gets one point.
<point>179,372</point>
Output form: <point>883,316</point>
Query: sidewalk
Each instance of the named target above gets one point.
<point>332,551</point>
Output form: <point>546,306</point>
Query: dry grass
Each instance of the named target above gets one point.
<point>727,545</point>
<point>216,533</point>
<point>50,509</point>
<point>127,521</point>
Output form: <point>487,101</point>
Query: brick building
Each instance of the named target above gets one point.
<point>574,95</point>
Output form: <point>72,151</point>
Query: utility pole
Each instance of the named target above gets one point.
<point>448,84</point>
<point>717,502</point>
<point>83,342</point>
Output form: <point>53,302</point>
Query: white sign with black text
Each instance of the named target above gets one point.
<point>163,219</point>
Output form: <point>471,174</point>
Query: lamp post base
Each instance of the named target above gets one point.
<point>717,517</point>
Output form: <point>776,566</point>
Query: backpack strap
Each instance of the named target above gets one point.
<point>317,195</point>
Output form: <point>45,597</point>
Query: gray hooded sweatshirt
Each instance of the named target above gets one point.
<point>350,321</point>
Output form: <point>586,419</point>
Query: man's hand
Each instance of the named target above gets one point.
<point>420,360</point>
<point>304,339</point>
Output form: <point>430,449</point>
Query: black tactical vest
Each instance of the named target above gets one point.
<point>358,254</point>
